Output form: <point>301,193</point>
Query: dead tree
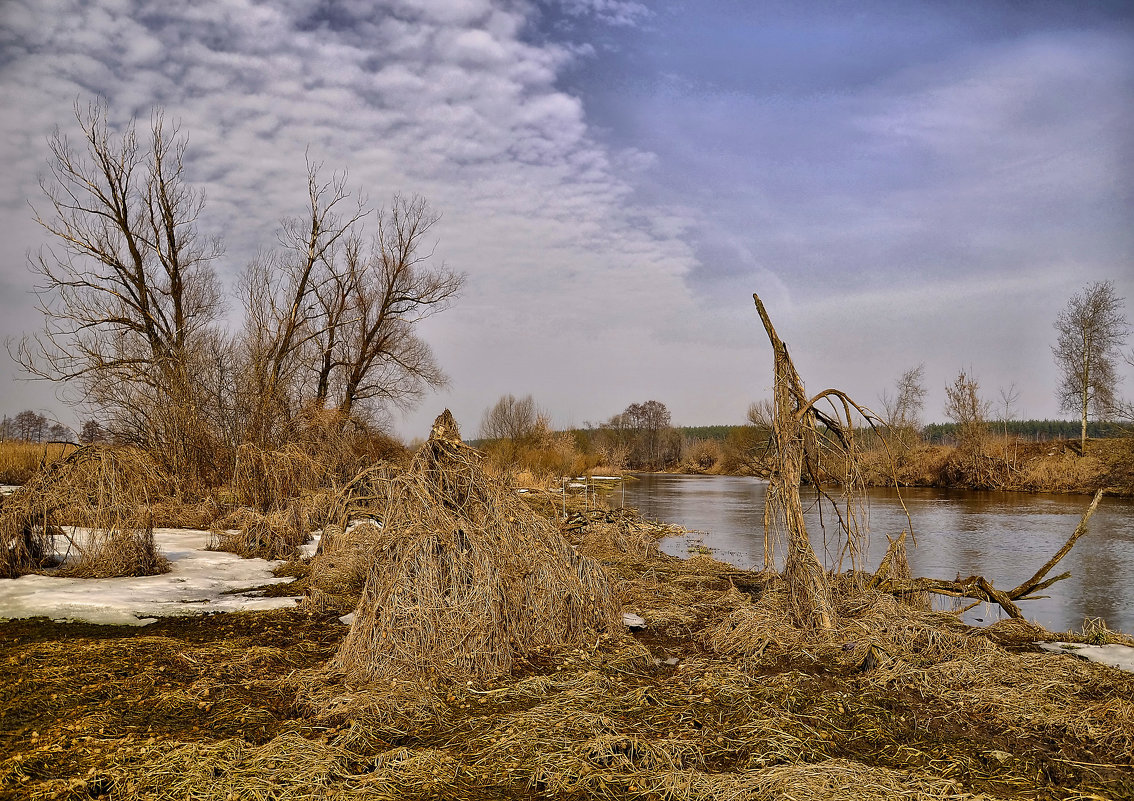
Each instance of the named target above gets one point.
<point>978,588</point>
<point>793,431</point>
<point>819,445</point>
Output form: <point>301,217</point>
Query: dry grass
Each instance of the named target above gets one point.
<point>467,578</point>
<point>276,535</point>
<point>107,492</point>
<point>20,460</point>
<point>340,567</point>
<point>1010,465</point>
<point>719,699</point>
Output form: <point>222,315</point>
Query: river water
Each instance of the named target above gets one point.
<point>1003,536</point>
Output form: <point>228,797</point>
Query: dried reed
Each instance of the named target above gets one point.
<point>105,490</point>
<point>276,535</point>
<point>467,577</point>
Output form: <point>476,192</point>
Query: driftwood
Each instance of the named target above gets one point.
<point>978,588</point>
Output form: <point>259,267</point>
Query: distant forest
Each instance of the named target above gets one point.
<point>938,433</point>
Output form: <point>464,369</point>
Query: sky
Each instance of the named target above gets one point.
<point>901,182</point>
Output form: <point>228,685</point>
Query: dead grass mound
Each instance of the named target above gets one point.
<point>340,567</point>
<point>467,578</point>
<point>276,535</point>
<point>104,495</point>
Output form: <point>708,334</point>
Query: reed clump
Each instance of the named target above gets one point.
<point>99,499</point>
<point>276,535</point>
<point>467,578</point>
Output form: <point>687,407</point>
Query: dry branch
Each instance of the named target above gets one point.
<point>978,588</point>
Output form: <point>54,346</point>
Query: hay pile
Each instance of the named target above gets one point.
<point>104,496</point>
<point>466,577</point>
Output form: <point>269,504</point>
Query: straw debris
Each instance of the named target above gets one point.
<point>276,535</point>
<point>467,578</point>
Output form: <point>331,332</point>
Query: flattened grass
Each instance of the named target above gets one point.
<point>718,699</point>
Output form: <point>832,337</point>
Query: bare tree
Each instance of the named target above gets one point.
<point>91,431</point>
<point>30,426</point>
<point>903,409</point>
<point>1009,396</point>
<point>510,418</point>
<point>965,407</point>
<point>1092,331</point>
<point>380,356</point>
<point>283,316</point>
<point>129,286</point>
<point>330,324</point>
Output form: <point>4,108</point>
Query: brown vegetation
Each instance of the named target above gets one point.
<point>468,578</point>
<point>132,310</point>
<point>20,460</point>
<point>106,492</point>
<point>720,697</point>
<point>995,463</point>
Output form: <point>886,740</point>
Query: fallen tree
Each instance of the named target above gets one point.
<point>978,588</point>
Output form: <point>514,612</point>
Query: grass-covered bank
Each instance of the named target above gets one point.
<point>717,698</point>
<point>999,464</point>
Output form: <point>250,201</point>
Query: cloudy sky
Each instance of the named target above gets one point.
<point>902,182</point>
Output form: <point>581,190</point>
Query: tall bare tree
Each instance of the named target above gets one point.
<point>280,291</point>
<point>1092,331</point>
<point>331,324</point>
<point>904,407</point>
<point>128,289</point>
<point>381,357</point>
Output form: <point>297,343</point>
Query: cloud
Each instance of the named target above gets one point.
<point>613,12</point>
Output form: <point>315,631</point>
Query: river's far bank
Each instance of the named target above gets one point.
<point>1057,466</point>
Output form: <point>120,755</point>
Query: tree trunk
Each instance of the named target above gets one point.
<point>806,580</point>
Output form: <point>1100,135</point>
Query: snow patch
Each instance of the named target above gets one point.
<point>1119,656</point>
<point>199,581</point>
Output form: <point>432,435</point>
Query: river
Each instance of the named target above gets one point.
<point>1003,536</point>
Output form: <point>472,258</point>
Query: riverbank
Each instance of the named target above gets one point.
<point>717,697</point>
<point>1057,466</point>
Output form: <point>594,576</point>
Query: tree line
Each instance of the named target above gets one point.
<point>1091,332</point>
<point>31,426</point>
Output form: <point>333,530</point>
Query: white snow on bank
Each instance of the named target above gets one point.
<point>196,584</point>
<point>1119,656</point>
<point>308,549</point>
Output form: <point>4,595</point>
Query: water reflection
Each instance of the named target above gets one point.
<point>1003,536</point>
